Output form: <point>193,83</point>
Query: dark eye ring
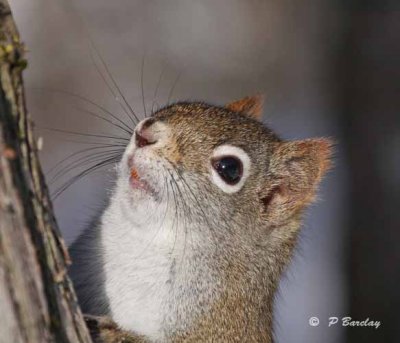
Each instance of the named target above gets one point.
<point>229,168</point>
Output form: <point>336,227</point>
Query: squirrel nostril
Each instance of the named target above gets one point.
<point>142,141</point>
<point>143,134</point>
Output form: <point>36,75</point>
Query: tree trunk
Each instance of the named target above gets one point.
<point>37,300</point>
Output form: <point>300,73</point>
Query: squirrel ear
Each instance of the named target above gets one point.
<point>296,168</point>
<point>250,105</point>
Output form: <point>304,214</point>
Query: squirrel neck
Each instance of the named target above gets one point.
<point>200,286</point>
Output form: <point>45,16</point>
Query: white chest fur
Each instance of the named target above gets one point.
<point>138,260</point>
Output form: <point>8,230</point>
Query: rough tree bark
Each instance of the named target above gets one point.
<point>37,300</point>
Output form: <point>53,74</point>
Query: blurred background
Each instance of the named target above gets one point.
<point>327,68</point>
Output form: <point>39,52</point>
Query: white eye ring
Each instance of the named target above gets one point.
<point>240,154</point>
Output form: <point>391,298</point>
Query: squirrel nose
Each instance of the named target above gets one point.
<point>143,134</point>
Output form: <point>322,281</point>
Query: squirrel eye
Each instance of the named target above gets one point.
<point>229,168</point>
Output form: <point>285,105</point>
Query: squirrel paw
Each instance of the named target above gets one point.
<point>104,330</point>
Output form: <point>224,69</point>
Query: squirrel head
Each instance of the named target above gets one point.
<point>222,166</point>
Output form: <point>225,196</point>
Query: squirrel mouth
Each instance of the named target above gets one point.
<point>137,183</point>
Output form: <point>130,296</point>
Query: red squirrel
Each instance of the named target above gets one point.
<point>201,223</point>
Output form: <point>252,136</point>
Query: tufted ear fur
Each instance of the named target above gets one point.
<point>250,105</point>
<point>296,168</point>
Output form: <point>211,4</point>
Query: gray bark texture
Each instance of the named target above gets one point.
<point>37,300</point>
